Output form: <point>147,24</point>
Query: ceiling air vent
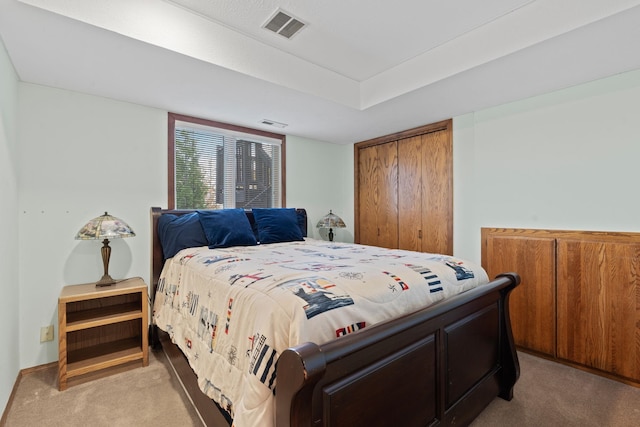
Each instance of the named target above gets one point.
<point>274,123</point>
<point>284,24</point>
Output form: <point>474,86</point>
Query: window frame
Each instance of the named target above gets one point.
<point>173,117</point>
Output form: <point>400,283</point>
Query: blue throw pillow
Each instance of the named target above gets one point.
<point>180,232</point>
<point>227,227</point>
<point>277,225</point>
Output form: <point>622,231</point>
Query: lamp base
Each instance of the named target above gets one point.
<point>105,281</point>
<point>106,254</point>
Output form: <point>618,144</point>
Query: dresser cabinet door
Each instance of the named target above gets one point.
<point>599,304</point>
<point>532,304</point>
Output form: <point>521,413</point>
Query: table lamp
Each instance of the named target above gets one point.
<point>331,221</point>
<point>105,227</point>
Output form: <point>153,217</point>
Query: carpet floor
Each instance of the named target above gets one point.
<point>149,396</point>
<point>548,394</point>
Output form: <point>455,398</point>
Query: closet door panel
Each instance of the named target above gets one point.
<point>378,195</point>
<point>599,305</point>
<point>410,193</point>
<point>437,193</point>
<point>367,182</point>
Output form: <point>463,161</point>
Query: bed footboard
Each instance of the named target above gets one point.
<point>442,365</point>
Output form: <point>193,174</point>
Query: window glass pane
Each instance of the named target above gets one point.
<point>218,168</point>
<point>196,152</point>
<point>256,185</point>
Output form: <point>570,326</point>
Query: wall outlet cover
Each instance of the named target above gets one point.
<point>46,333</point>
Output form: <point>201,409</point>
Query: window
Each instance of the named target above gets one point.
<point>215,165</point>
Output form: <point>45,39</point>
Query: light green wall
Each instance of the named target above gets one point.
<point>9,314</point>
<point>565,160</point>
<point>320,178</point>
<point>81,155</point>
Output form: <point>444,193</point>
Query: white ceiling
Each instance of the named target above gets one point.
<point>359,69</point>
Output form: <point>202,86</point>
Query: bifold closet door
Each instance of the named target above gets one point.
<point>437,192</point>
<point>378,195</point>
<point>425,198</point>
<point>410,232</point>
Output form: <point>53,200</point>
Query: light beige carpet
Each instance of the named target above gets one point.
<point>548,394</point>
<point>149,396</point>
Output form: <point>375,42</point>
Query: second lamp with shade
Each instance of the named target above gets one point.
<point>105,227</point>
<point>331,221</point>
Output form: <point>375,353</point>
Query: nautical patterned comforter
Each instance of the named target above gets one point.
<point>233,311</point>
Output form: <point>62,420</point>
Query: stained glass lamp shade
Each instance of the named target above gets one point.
<point>105,227</point>
<point>331,221</point>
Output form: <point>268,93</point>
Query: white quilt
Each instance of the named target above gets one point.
<point>233,311</point>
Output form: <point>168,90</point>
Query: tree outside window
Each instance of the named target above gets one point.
<point>191,188</point>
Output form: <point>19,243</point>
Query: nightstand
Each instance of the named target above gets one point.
<point>101,330</point>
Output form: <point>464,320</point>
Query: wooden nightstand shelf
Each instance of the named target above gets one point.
<point>101,330</point>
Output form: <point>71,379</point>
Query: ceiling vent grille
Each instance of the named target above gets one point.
<point>274,123</point>
<point>284,24</point>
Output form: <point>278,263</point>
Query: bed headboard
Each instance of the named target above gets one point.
<point>157,258</point>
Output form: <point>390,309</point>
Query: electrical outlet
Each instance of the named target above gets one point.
<point>46,333</point>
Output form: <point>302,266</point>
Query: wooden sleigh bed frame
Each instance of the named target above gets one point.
<point>439,366</point>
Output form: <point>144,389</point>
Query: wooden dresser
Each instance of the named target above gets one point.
<point>579,300</point>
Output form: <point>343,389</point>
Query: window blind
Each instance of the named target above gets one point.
<point>217,168</point>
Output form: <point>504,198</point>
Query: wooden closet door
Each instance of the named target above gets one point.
<point>378,195</point>
<point>532,305</point>
<point>437,192</point>
<point>599,304</point>
<point>425,198</point>
<point>410,193</point>
<point>419,167</point>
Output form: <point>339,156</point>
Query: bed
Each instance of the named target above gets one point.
<point>437,365</point>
